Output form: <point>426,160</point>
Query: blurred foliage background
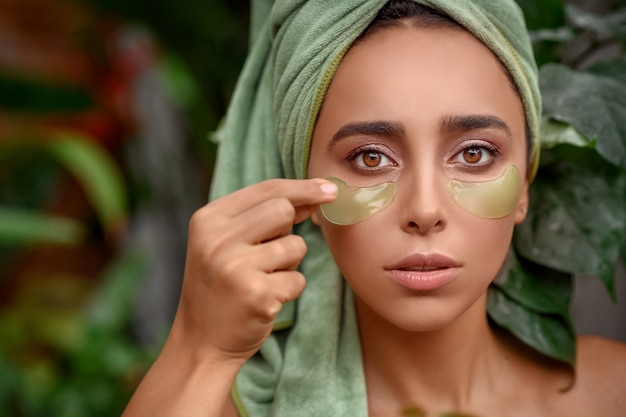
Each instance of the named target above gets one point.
<point>105,110</point>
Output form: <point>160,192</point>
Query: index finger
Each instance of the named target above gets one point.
<point>305,195</point>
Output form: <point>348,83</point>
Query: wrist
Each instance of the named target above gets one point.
<point>188,350</point>
<point>185,381</point>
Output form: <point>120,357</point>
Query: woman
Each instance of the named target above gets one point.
<point>436,118</point>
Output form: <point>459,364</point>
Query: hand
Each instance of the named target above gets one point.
<point>241,265</point>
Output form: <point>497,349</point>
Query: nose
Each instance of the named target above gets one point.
<point>421,200</point>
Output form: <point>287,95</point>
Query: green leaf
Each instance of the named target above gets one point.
<point>27,227</point>
<point>554,133</point>
<point>610,68</point>
<point>560,35</point>
<point>535,287</point>
<point>594,104</point>
<point>112,304</point>
<point>576,217</point>
<point>178,79</point>
<point>549,334</point>
<point>611,24</point>
<point>97,172</point>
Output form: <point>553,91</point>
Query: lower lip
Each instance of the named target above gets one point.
<point>423,281</point>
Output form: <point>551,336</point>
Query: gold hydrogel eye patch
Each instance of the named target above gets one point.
<point>355,204</point>
<point>488,199</point>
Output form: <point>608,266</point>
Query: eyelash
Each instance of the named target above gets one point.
<point>493,150</point>
<point>351,158</point>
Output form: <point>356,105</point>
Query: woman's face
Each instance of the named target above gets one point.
<point>420,107</point>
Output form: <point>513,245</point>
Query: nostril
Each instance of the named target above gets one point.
<point>425,227</point>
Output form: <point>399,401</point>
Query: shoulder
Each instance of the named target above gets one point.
<point>601,355</point>
<point>601,373</point>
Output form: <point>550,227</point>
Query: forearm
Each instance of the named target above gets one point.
<point>184,384</point>
<point>240,270</point>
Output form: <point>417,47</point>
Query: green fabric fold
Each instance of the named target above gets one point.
<point>311,364</point>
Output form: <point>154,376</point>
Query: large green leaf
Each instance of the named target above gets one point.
<point>98,173</point>
<point>611,24</point>
<point>555,133</point>
<point>576,217</point>
<point>535,287</point>
<point>594,104</point>
<point>550,334</point>
<point>22,227</point>
<point>611,68</point>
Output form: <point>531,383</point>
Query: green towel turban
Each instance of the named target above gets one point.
<point>311,364</point>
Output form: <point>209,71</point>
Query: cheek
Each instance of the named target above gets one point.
<point>356,248</point>
<point>485,244</point>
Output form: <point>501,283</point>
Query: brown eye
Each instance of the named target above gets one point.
<point>472,155</point>
<point>372,159</point>
<point>476,154</point>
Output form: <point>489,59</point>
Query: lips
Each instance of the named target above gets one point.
<point>419,262</point>
<point>424,272</point>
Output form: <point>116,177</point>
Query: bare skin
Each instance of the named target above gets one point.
<point>434,349</point>
<point>429,349</point>
<point>240,270</point>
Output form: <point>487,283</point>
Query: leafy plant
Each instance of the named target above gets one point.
<point>69,358</point>
<point>91,165</point>
<point>576,222</point>
<point>66,346</point>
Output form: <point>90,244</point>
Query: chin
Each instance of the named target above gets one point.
<point>415,316</point>
<point>423,324</point>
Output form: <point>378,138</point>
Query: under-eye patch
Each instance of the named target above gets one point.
<point>489,199</point>
<point>355,204</point>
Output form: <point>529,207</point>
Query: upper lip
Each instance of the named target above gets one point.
<point>424,262</point>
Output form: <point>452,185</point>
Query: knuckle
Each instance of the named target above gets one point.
<point>295,283</point>
<point>227,265</point>
<point>283,208</point>
<point>204,220</point>
<point>270,311</point>
<point>271,187</point>
<point>289,249</point>
<point>254,291</point>
<point>294,246</point>
<point>196,220</point>
<point>298,244</point>
<point>299,282</point>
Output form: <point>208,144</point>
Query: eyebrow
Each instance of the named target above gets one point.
<point>449,123</point>
<point>474,122</point>
<point>374,128</point>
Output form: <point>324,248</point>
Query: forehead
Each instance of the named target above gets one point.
<point>420,70</point>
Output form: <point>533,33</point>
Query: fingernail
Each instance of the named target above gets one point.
<point>329,188</point>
